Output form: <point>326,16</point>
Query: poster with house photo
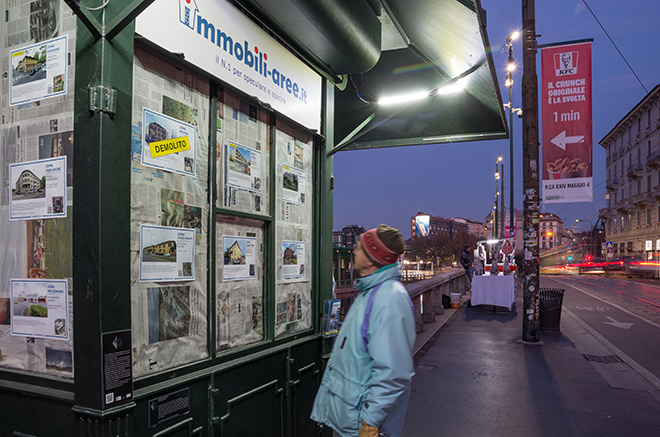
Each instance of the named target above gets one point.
<point>239,258</point>
<point>293,259</point>
<point>38,71</point>
<point>294,185</point>
<point>166,254</point>
<point>38,189</point>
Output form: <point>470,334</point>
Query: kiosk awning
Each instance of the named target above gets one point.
<point>437,49</point>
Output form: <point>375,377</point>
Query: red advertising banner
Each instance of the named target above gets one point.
<point>567,145</point>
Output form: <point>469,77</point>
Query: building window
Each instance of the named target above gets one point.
<point>648,183</point>
<point>639,186</point>
<point>648,216</point>
<point>639,218</point>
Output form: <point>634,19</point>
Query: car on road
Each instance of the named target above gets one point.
<point>647,269</point>
<point>622,264</point>
<point>592,266</point>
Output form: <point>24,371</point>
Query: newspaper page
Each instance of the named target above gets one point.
<point>36,123</point>
<point>239,300</point>
<point>169,299</point>
<point>293,304</point>
<point>242,127</point>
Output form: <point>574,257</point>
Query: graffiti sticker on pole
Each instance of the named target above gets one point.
<point>567,123</point>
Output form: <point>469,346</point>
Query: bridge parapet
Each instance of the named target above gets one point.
<point>426,295</point>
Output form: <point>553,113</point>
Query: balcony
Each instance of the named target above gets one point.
<point>612,184</point>
<point>624,206</point>
<point>653,160</point>
<point>643,200</point>
<point>635,172</point>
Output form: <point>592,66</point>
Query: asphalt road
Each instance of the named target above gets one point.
<point>625,312</point>
<point>22,78</point>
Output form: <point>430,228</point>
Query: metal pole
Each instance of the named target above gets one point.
<point>503,209</point>
<point>495,229</point>
<point>530,176</point>
<point>511,207</point>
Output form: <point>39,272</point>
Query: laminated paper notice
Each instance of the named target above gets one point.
<point>38,189</point>
<point>243,167</point>
<point>293,259</point>
<point>239,258</point>
<point>168,144</point>
<point>166,254</point>
<point>38,71</point>
<point>40,308</point>
<point>294,184</point>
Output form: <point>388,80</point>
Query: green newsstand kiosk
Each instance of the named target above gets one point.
<point>177,286</point>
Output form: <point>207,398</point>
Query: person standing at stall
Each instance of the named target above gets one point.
<point>366,384</point>
<point>466,262</point>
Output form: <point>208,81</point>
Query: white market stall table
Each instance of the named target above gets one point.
<point>493,290</point>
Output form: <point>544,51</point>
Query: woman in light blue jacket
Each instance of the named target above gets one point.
<point>366,385</point>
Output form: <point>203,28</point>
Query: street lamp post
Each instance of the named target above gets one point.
<point>496,231</point>
<point>510,67</point>
<point>501,235</point>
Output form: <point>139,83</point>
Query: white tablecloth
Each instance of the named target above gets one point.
<point>493,290</point>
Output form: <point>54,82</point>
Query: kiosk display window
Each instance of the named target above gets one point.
<point>169,215</point>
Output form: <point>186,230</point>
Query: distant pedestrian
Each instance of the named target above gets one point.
<point>478,261</point>
<point>495,266</point>
<point>366,385</point>
<point>466,262</point>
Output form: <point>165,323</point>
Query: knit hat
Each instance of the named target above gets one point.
<point>383,244</point>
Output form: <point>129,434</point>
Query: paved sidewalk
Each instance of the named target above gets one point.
<point>475,378</point>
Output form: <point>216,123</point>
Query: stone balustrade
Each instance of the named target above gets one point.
<point>426,295</point>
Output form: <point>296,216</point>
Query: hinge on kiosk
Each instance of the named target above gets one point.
<point>102,99</point>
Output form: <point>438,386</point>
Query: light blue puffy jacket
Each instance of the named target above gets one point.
<point>372,385</point>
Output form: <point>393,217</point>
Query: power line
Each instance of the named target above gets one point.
<point>615,46</point>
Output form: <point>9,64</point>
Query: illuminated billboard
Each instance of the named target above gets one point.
<point>422,225</point>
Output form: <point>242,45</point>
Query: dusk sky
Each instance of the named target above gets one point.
<point>456,180</point>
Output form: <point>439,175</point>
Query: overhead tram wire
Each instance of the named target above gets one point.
<point>615,46</point>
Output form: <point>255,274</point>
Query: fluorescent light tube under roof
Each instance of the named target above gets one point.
<point>403,98</point>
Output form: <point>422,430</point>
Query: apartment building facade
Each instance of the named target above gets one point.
<point>550,231</point>
<point>632,215</point>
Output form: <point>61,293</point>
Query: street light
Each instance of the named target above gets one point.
<point>510,67</point>
<point>497,193</point>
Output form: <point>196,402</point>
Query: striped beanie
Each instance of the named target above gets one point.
<point>383,245</point>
